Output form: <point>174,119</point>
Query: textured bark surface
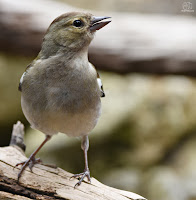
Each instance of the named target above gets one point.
<point>131,43</point>
<point>47,182</point>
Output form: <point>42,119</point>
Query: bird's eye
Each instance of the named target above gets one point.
<point>78,23</point>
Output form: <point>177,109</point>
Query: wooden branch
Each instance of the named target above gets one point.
<point>17,138</point>
<point>131,43</point>
<point>46,182</point>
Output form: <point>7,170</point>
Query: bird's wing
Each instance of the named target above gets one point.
<point>22,77</point>
<point>99,82</point>
<point>100,85</point>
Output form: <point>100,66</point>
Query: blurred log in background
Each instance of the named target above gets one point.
<point>146,135</point>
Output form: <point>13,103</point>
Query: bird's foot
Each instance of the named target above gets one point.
<point>81,177</point>
<point>30,163</point>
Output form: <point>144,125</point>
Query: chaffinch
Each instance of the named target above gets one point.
<point>61,89</point>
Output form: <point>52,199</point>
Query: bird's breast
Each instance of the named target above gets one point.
<point>62,99</point>
<point>74,89</point>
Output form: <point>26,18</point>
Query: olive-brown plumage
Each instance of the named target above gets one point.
<point>60,89</point>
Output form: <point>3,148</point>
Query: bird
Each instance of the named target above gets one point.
<point>60,89</point>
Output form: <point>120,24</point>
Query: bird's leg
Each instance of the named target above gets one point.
<point>86,173</point>
<point>31,160</point>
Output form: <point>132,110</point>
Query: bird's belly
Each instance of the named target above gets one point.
<point>63,116</point>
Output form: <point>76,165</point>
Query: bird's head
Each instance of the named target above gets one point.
<point>73,31</point>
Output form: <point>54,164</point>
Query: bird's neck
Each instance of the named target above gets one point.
<point>50,49</point>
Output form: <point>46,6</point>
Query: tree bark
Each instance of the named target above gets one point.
<point>131,43</point>
<point>47,182</point>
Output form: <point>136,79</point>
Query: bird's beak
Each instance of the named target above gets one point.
<point>96,23</point>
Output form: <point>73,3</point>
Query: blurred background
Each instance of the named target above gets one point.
<point>145,140</point>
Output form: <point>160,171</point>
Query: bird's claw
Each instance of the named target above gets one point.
<point>33,162</point>
<point>30,163</point>
<point>21,163</point>
<point>81,177</point>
